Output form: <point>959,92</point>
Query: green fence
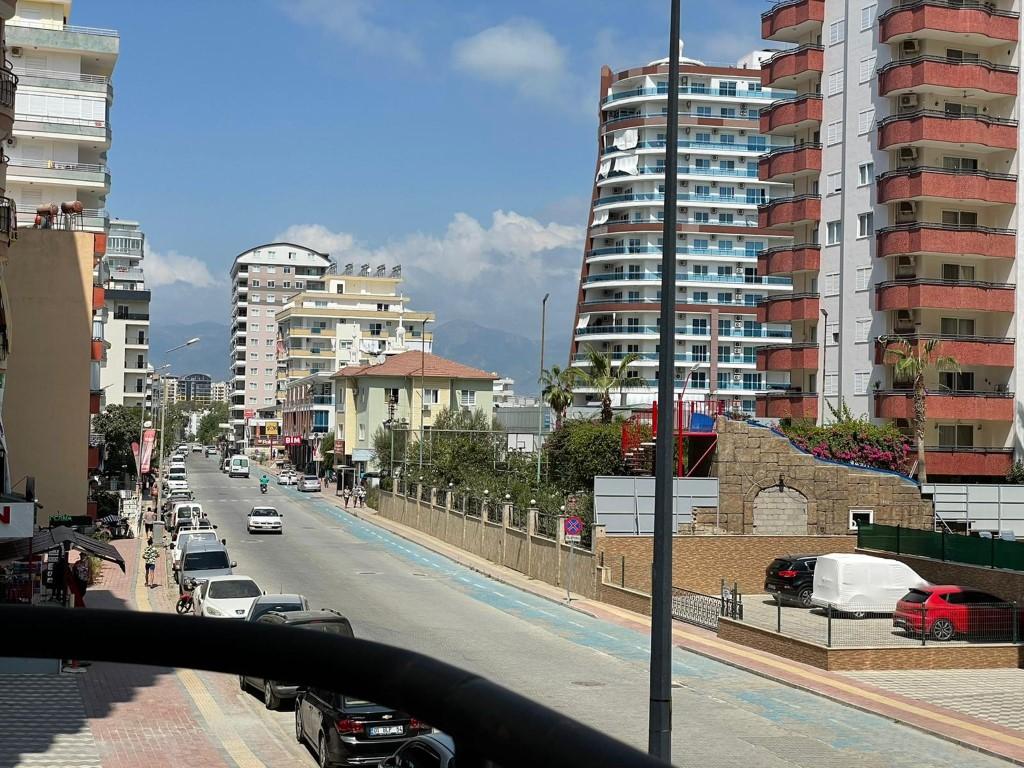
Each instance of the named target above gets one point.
<point>940,545</point>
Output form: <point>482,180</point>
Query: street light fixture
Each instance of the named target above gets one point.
<point>540,376</point>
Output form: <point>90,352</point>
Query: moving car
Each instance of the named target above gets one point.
<point>862,584</point>
<point>791,578</point>
<point>433,749</point>
<point>264,519</point>
<point>197,448</point>
<point>320,621</point>
<point>211,450</point>
<point>204,560</point>
<point>945,612</point>
<point>225,597</point>
<point>287,477</point>
<point>239,466</point>
<point>182,540</point>
<point>276,604</point>
<point>309,483</point>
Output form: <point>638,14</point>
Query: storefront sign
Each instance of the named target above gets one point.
<point>17,521</point>
<point>271,428</point>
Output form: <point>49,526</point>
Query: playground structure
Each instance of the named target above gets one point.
<point>694,437</point>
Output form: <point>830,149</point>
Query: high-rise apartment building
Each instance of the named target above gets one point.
<point>8,231</point>
<point>904,216</point>
<point>61,135</point>
<point>719,287</point>
<point>124,375</point>
<point>262,280</point>
<point>219,391</point>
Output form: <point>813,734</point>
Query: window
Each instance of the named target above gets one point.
<point>727,88</point>
<point>268,356</point>
<point>835,82</point>
<point>837,32</point>
<point>270,327</point>
<point>252,385</point>
<point>960,163</point>
<point>702,190</point>
<point>833,233</point>
<point>860,517</point>
<point>300,285</point>
<point>254,326</point>
<point>287,284</point>
<point>728,112</point>
<point>726,193</point>
<point>362,431</point>
<point>956,326</point>
<point>271,284</point>
<point>271,298</point>
<point>863,278</point>
<point>958,55</point>
<point>956,435</point>
<point>960,110</point>
<point>254,355</point>
<point>431,396</point>
<point>390,395</point>
<point>962,381</point>
<point>865,174</point>
<point>834,132</point>
<point>960,218</point>
<point>861,379</point>
<point>703,111</point>
<point>957,272</point>
<point>867,16</point>
<point>865,118</point>
<point>866,70</point>
<point>832,284</point>
<point>254,283</point>
<point>865,224</point>
<point>863,329</point>
<point>832,334</point>
<point>700,297</point>
<point>831,383</point>
<point>834,183</point>
<point>725,218</point>
<point>268,371</point>
<point>699,353</point>
<point>467,398</point>
<point>702,217</point>
<point>254,268</point>
<point>725,298</point>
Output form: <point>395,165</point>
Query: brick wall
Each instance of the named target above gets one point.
<point>1008,585</point>
<point>630,599</point>
<point>701,562</point>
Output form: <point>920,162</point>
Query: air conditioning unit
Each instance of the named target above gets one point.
<point>737,376</point>
<point>737,324</point>
<point>908,100</point>
<point>907,154</point>
<point>682,262</point>
<point>686,157</point>
<point>714,157</point>
<point>743,133</point>
<point>684,209</point>
<point>714,210</point>
<point>737,349</point>
<point>15,51</point>
<point>910,47</point>
<point>684,184</point>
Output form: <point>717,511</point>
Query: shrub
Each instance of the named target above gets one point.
<point>852,441</point>
<point>582,449</point>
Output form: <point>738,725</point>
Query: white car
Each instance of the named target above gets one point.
<point>265,519</point>
<point>287,477</point>
<point>309,483</point>
<point>177,485</point>
<point>225,597</point>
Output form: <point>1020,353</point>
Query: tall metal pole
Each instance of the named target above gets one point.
<point>540,400</point>
<point>824,359</point>
<point>423,365</point>
<point>163,413</point>
<point>660,723</point>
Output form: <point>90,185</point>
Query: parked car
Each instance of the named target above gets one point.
<point>225,597</point>
<point>309,483</point>
<point>183,515</point>
<point>266,519</point>
<point>347,731</point>
<point>204,560</point>
<point>177,473</point>
<point>862,584</point>
<point>945,612</point>
<point>176,485</point>
<point>791,578</point>
<point>197,448</point>
<point>175,497</point>
<point>321,621</point>
<point>182,540</point>
<point>276,604</point>
<point>287,477</point>
<point>433,749</point>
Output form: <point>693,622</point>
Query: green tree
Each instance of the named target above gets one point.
<point>911,364</point>
<point>460,448</point>
<point>556,390</point>
<point>581,450</point>
<point>327,449</point>
<point>602,376</point>
<point>209,425</point>
<point>120,426</point>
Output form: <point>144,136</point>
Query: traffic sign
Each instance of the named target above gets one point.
<point>573,529</point>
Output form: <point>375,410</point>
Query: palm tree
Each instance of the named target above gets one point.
<point>556,390</point>
<point>600,375</point>
<point>910,366</point>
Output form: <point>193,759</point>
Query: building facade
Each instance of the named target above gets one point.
<point>195,388</point>
<point>124,374</point>
<point>262,280</point>
<point>219,391</point>
<point>58,151</point>
<point>8,231</point>
<point>904,217</point>
<point>307,416</point>
<point>719,287</point>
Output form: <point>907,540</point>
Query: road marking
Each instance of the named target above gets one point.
<point>641,648</point>
<point>463,578</point>
<point>499,594</point>
<point>520,602</point>
<point>576,624</point>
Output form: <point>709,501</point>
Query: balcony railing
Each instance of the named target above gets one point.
<point>947,227</point>
<point>699,90</point>
<point>751,115</point>
<point>686,197</point>
<point>757,333</point>
<point>56,74</point>
<point>8,87</point>
<point>682,251</point>
<point>56,27</point>
<point>749,302</point>
<point>723,146</point>
<point>654,220</point>
<point>942,115</point>
<point>79,121</point>
<point>57,165</point>
<point>951,171</point>
<point>694,277</point>
<point>130,315</point>
<point>992,66</point>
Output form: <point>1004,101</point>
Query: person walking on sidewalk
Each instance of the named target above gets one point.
<point>361,495</point>
<point>150,555</point>
<point>347,496</point>
<point>148,519</point>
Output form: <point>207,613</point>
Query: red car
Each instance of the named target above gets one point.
<point>946,611</point>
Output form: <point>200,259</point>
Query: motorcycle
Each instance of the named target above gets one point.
<point>263,487</point>
<point>185,603</point>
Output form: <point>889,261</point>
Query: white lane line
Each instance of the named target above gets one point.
<point>463,578</point>
<point>499,594</point>
<point>520,602</point>
<point>546,613</point>
<point>641,648</point>
<point>576,624</point>
<point>605,634</point>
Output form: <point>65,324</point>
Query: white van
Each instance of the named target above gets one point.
<point>177,473</point>
<point>862,584</point>
<point>239,466</point>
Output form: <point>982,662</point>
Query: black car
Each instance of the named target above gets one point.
<point>791,578</point>
<point>292,611</point>
<point>347,731</point>
<point>434,750</point>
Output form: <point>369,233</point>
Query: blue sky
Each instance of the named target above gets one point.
<point>456,138</point>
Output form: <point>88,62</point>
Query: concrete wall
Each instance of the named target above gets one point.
<point>700,562</point>
<point>1008,585</point>
<point>46,405</point>
<point>751,459</point>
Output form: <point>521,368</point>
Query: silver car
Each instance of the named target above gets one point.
<point>309,483</point>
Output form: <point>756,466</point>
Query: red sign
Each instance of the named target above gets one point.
<point>573,526</point>
<point>249,414</point>
<point>148,441</point>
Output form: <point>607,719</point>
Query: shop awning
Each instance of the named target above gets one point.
<point>44,541</point>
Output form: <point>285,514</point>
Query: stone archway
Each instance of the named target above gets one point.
<point>780,512</point>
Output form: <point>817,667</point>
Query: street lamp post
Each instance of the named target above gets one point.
<point>423,366</point>
<point>163,396</point>
<point>540,400</point>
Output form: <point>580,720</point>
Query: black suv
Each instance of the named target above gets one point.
<point>791,578</point>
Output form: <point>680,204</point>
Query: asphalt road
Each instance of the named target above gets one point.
<point>398,593</point>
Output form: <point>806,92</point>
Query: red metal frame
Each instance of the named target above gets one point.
<point>633,434</point>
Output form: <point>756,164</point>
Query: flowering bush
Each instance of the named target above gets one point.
<point>852,441</point>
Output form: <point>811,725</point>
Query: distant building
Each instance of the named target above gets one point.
<point>124,373</point>
<point>196,387</point>
<point>505,396</point>
<point>219,391</point>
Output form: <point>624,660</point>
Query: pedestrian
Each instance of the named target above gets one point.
<point>148,519</point>
<point>150,555</point>
<point>83,572</point>
<point>362,496</point>
<point>347,495</point>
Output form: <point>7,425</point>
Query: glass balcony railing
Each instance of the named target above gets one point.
<point>759,147</point>
<point>757,333</point>
<point>685,197</point>
<point>694,277</point>
<point>682,251</point>
<point>701,90</point>
<point>751,115</point>
<point>649,220</point>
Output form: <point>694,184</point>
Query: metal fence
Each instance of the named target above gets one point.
<point>943,545</point>
<point>881,626</point>
<point>705,610</point>
<point>518,518</point>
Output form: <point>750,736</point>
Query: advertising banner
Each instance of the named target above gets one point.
<point>148,441</point>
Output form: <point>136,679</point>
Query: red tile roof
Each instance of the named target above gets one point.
<point>416,364</point>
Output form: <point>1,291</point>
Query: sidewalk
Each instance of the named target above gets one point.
<point>943,722</point>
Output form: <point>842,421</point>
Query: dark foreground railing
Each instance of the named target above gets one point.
<point>491,726</point>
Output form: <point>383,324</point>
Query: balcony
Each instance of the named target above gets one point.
<point>8,86</point>
<point>789,308</point>
<point>966,350</point>
<point>924,293</point>
<point>786,68</point>
<point>948,76</point>
<point>700,278</point>
<point>62,37</point>
<point>968,405</point>
<point>86,175</point>
<point>67,81</point>
<point>786,259</point>
<point>791,20</point>
<point>933,128</point>
<point>942,184</point>
<point>788,405</point>
<point>791,116</point>
<point>968,462</point>
<point>96,132</point>
<point>790,163</point>
<point>89,220</point>
<point>789,211</point>
<point>792,358</point>
<point>973,23</point>
<point>928,237</point>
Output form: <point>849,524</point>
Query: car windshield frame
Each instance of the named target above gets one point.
<point>264,512</point>
<point>233,588</point>
<point>211,560</point>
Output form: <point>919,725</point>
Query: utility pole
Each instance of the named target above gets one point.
<point>660,722</point>
<point>540,400</point>
<point>423,366</point>
<point>824,360</point>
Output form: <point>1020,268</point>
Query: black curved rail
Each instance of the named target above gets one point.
<point>491,726</point>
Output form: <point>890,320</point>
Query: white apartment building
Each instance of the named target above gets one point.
<point>58,151</point>
<point>126,332</point>
<point>904,215</point>
<point>719,289</point>
<point>262,280</point>
<point>219,391</point>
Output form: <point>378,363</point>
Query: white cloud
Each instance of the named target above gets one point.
<point>352,21</point>
<point>173,267</point>
<point>319,238</point>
